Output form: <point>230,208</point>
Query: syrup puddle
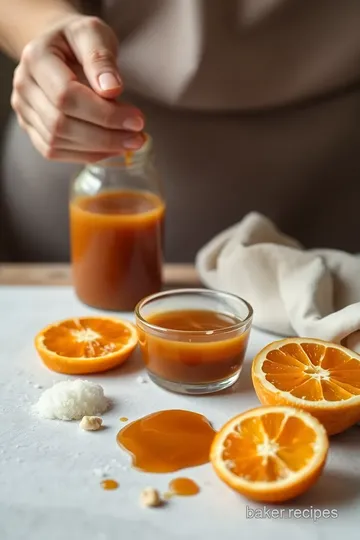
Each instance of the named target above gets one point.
<point>168,441</point>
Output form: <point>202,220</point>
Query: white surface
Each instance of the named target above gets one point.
<point>49,483</point>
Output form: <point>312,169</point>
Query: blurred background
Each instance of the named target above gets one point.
<point>7,66</point>
<point>292,154</point>
<point>6,71</point>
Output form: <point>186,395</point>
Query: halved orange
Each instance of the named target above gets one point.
<point>86,344</point>
<point>319,377</point>
<point>270,454</point>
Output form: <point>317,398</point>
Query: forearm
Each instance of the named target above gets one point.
<point>23,20</point>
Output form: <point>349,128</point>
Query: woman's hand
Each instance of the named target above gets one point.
<point>64,89</point>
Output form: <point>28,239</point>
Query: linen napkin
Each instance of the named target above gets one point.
<point>309,293</point>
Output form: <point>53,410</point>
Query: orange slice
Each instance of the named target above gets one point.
<point>319,377</point>
<point>270,454</point>
<point>86,344</point>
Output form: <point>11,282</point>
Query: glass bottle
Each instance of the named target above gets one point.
<point>116,226</point>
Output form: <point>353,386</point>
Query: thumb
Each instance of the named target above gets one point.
<point>95,47</point>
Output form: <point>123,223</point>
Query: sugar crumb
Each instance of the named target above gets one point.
<point>71,400</point>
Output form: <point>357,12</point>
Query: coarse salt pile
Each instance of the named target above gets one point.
<point>72,400</point>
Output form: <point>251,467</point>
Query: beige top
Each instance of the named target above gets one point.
<point>298,165</point>
<point>236,54</point>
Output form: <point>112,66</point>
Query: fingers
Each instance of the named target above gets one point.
<point>57,154</point>
<point>28,116</point>
<point>95,47</point>
<point>82,103</point>
<point>48,69</point>
<point>82,136</point>
<point>91,42</point>
<point>61,132</point>
<point>65,118</point>
<point>77,100</point>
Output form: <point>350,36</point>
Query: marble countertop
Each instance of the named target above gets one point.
<point>50,472</point>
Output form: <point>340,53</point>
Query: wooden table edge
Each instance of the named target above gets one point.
<point>60,275</point>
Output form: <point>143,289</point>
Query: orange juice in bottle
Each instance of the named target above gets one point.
<point>116,225</point>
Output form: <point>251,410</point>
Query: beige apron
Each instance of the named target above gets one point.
<point>253,105</point>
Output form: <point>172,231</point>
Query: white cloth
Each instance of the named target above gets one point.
<point>309,293</point>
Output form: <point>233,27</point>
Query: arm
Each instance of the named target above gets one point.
<point>23,20</point>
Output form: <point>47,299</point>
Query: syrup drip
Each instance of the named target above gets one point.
<point>109,484</point>
<point>183,487</point>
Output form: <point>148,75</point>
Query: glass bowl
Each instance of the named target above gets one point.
<point>193,341</point>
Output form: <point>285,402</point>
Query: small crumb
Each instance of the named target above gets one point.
<point>168,495</point>
<point>91,423</point>
<point>150,497</point>
<point>38,386</point>
<point>141,379</point>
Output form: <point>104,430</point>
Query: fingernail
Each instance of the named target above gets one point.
<point>133,124</point>
<point>108,81</point>
<point>133,142</point>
